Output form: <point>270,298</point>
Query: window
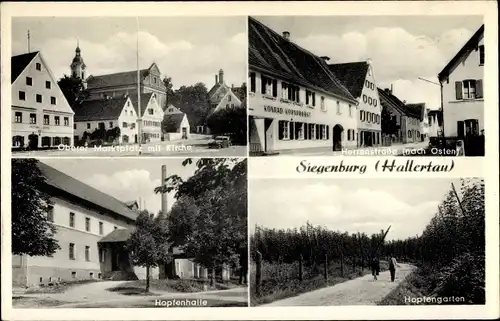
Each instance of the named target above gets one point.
<point>323,106</point>
<point>46,120</point>
<point>32,118</point>
<point>151,111</point>
<point>110,124</point>
<point>57,120</point>
<point>22,95</point>
<point>481,55</point>
<point>323,131</point>
<point>87,253</point>
<point>38,66</point>
<point>50,213</point>
<point>469,89</point>
<point>18,117</point>
<point>71,219</point>
<point>48,84</point>
<point>87,224</point>
<point>229,98</point>
<point>52,100</point>
<point>339,111</point>
<point>72,253</point>
<point>252,82</point>
<point>124,125</point>
<point>269,87</point>
<point>66,121</point>
<point>38,98</point>
<point>88,125</point>
<point>312,131</point>
<point>74,126</point>
<point>310,98</point>
<point>29,81</point>
<point>284,129</point>
<point>101,228</point>
<point>73,275</point>
<point>91,275</point>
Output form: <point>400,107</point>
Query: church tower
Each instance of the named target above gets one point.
<point>78,66</point>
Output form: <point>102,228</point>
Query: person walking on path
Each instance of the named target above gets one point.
<point>392,268</point>
<point>375,266</point>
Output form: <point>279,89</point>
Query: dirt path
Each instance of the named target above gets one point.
<point>360,291</point>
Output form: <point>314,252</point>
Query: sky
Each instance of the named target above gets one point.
<point>401,48</point>
<point>126,179</point>
<point>188,49</point>
<point>352,205</point>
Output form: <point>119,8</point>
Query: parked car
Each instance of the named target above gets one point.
<point>220,142</point>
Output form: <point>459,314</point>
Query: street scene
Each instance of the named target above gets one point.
<point>121,232</point>
<point>124,87</point>
<point>336,241</point>
<point>366,86</point>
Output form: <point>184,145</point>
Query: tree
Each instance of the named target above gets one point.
<point>148,245</point>
<point>73,90</point>
<point>167,81</point>
<point>231,121</point>
<point>169,125</point>
<point>389,124</point>
<point>209,218</point>
<point>193,100</point>
<point>32,233</point>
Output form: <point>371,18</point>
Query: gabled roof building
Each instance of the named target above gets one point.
<point>295,101</point>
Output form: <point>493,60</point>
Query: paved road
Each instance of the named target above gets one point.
<point>360,291</point>
<point>97,293</point>
<point>182,148</point>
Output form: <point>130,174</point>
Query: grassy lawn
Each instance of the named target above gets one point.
<point>280,281</point>
<point>182,285</point>
<point>22,302</point>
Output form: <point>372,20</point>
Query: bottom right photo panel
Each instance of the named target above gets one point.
<point>336,242</point>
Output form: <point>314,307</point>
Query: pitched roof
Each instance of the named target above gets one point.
<point>240,92</point>
<point>352,75</point>
<point>174,111</point>
<point>116,79</point>
<point>416,109</point>
<point>270,52</point>
<point>145,97</point>
<point>175,119</point>
<point>101,109</point>
<point>84,192</point>
<point>214,89</point>
<point>118,235</point>
<point>386,98</point>
<point>469,45</point>
<point>19,63</point>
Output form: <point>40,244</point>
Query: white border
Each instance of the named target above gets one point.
<point>487,166</point>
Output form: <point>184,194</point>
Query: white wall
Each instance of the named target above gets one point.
<point>128,116</point>
<point>314,115</point>
<point>370,104</point>
<point>460,110</point>
<point>152,122</point>
<point>229,100</point>
<point>61,108</point>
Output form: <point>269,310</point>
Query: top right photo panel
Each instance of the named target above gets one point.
<point>366,85</point>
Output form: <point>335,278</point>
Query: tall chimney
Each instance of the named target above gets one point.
<point>286,35</point>
<point>164,200</point>
<point>221,76</point>
<point>216,80</point>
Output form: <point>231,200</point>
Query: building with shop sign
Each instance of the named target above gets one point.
<point>295,102</point>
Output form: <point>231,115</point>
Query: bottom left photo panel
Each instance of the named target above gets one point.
<point>129,233</point>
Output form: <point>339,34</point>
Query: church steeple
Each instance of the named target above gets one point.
<point>77,65</point>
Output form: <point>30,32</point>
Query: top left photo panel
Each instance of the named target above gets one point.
<point>128,86</point>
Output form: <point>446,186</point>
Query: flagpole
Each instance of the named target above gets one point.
<point>139,118</point>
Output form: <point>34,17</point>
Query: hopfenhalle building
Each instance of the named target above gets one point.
<point>295,100</point>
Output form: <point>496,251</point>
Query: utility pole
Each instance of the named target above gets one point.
<point>440,84</point>
<point>139,118</point>
<point>29,49</point>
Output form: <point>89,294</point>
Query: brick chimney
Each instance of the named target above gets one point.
<point>221,76</point>
<point>216,80</point>
<point>286,35</point>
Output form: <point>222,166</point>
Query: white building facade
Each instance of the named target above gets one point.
<point>41,115</point>
<point>462,90</point>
